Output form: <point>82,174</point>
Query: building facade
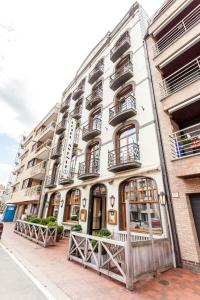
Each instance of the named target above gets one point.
<point>30,166</point>
<point>173,44</point>
<point>105,149</point>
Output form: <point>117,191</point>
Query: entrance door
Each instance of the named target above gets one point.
<point>195,205</point>
<point>97,213</point>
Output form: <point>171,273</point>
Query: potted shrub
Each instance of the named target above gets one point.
<point>76,227</point>
<point>104,233</point>
<point>60,229</point>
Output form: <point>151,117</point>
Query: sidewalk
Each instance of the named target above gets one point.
<point>77,283</point>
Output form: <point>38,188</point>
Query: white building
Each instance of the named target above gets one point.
<point>105,149</point>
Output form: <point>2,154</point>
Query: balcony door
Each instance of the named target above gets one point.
<point>95,119</point>
<point>122,64</point>
<point>92,161</point>
<point>122,99</point>
<point>125,140</point>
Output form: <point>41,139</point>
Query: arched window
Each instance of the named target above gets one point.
<point>142,197</point>
<point>122,64</point>
<point>72,206</point>
<point>54,205</point>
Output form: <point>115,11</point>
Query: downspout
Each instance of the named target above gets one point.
<point>165,174</point>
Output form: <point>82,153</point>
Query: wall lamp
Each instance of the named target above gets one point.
<point>112,200</point>
<point>61,203</point>
<point>84,202</point>
<point>162,198</point>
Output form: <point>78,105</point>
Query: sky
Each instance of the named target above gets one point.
<point>42,44</point>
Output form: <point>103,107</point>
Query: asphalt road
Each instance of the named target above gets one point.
<point>14,283</point>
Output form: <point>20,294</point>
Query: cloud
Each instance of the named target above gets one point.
<point>5,171</point>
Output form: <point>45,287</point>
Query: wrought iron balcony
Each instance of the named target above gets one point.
<point>94,99</point>
<point>89,169</point>
<point>64,105</point>
<point>177,31</point>
<point>61,127</point>
<point>186,142</point>
<point>56,152</point>
<point>67,177</point>
<point>121,76</point>
<point>123,110</point>
<point>96,73</point>
<point>77,112</point>
<point>78,92</point>
<point>124,158</point>
<point>120,47</point>
<point>181,78</point>
<point>50,181</point>
<point>91,130</point>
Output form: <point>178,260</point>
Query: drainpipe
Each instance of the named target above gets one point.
<point>165,174</point>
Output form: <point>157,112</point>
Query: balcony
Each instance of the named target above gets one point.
<point>121,76</point>
<point>38,171</point>
<point>180,29</point>
<point>78,92</point>
<point>163,8</point>
<point>181,78</point>
<point>123,110</point>
<point>77,112</point>
<point>96,73</point>
<point>42,151</point>
<point>56,152</point>
<point>64,105</point>
<point>94,99</point>
<point>46,133</point>
<point>185,147</point>
<point>120,47</point>
<point>92,130</point>
<point>89,169</point>
<point>50,181</point>
<point>61,127</point>
<point>67,177</point>
<point>124,158</point>
<point>34,192</point>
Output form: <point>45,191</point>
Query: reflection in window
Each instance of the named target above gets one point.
<point>72,205</point>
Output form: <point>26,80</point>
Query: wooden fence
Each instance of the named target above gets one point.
<point>40,234</point>
<point>111,257</point>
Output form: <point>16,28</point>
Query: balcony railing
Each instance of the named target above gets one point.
<point>163,8</point>
<point>76,113</point>
<point>123,110</point>
<point>181,78</point>
<point>56,152</point>
<point>121,76</point>
<point>178,30</point>
<point>46,144</point>
<point>120,47</point>
<point>61,126</point>
<point>45,129</point>
<point>34,190</point>
<point>89,169</point>
<point>93,99</point>
<point>78,92</point>
<point>91,130</point>
<point>50,181</point>
<point>64,105</point>
<point>67,177</point>
<point>96,73</point>
<point>185,142</point>
<point>38,169</point>
<point>123,158</point>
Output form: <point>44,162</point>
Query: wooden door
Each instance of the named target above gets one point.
<point>97,213</point>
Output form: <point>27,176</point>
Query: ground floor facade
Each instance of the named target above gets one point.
<point>24,209</point>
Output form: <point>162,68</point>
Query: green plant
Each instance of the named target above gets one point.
<point>60,229</point>
<point>44,221</point>
<point>51,219</point>
<point>35,220</point>
<point>104,232</point>
<point>74,218</point>
<point>76,227</point>
<point>52,224</point>
<point>101,233</point>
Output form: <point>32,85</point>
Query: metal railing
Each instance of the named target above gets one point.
<point>45,129</point>
<point>96,94</point>
<point>163,8</point>
<point>56,151</point>
<point>65,103</point>
<point>45,144</point>
<point>67,174</point>
<point>124,155</point>
<point>33,190</point>
<point>77,111</point>
<point>61,124</point>
<point>181,78</point>
<point>40,234</point>
<point>122,40</point>
<point>38,168</point>
<point>186,141</point>
<point>98,67</point>
<point>127,67</point>
<point>124,104</point>
<point>94,125</point>
<point>177,31</point>
<point>89,167</point>
<point>50,180</point>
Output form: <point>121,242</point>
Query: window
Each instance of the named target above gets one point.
<point>31,163</point>
<point>122,64</point>
<point>95,120</point>
<point>123,99</point>
<point>72,205</point>
<point>54,205</point>
<point>27,183</point>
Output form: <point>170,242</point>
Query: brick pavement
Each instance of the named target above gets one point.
<point>79,283</point>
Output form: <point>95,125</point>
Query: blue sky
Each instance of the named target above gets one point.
<point>39,55</point>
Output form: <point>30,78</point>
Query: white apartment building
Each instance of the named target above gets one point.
<point>105,149</point>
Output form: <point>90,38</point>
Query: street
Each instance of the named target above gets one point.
<point>14,283</point>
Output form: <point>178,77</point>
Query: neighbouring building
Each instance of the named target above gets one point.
<point>105,148</point>
<point>173,43</point>
<point>2,197</point>
<point>30,166</point>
